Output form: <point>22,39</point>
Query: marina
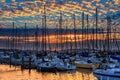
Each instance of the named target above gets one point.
<point>99,68</point>
<point>59,40</point>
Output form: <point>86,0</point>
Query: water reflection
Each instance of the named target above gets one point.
<point>15,73</point>
<point>54,42</point>
<point>102,77</point>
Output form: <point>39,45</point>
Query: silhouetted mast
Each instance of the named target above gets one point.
<point>16,38</point>
<point>75,31</point>
<point>45,27</point>
<point>66,38</point>
<point>44,31</point>
<point>36,38</point>
<point>108,32</point>
<point>60,26</point>
<point>96,28</point>
<point>13,36</point>
<point>82,29</point>
<point>48,39</point>
<point>88,32</point>
<point>42,46</point>
<point>25,37</point>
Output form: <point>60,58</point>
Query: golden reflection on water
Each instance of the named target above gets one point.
<point>62,38</point>
<point>15,73</point>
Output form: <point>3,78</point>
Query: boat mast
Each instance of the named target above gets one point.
<point>16,38</point>
<point>75,47</point>
<point>60,26</point>
<point>25,48</point>
<point>82,30</point>
<point>44,30</point>
<point>13,40</point>
<point>48,39</point>
<point>36,38</point>
<point>19,40</point>
<point>108,32</point>
<point>71,42</point>
<point>96,28</point>
<point>93,37</point>
<point>88,33</point>
<point>56,32</point>
<point>66,38</point>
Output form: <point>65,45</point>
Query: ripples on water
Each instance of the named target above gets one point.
<point>15,73</point>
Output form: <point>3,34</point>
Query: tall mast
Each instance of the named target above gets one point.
<point>25,37</point>
<point>71,45</point>
<point>16,37</point>
<point>44,30</point>
<point>75,31</point>
<point>36,38</point>
<point>108,32</point>
<point>82,29</point>
<point>57,42</point>
<point>48,39</point>
<point>13,45</point>
<point>19,40</point>
<point>88,32</point>
<point>93,37</point>
<point>60,26</point>
<point>66,41</point>
<point>96,28</point>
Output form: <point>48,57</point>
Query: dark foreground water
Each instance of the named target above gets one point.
<point>15,73</point>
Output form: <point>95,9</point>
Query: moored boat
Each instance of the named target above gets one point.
<point>86,65</point>
<point>46,67</point>
<point>102,77</point>
<point>115,72</point>
<point>5,59</point>
<point>65,66</point>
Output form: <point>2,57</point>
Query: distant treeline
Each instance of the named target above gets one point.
<point>31,31</point>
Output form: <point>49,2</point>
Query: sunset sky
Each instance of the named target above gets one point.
<point>31,11</point>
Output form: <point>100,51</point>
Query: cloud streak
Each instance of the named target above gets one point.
<point>32,8</point>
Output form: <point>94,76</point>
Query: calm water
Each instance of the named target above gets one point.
<point>15,73</point>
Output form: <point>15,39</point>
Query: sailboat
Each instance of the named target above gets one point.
<point>108,71</point>
<point>15,57</point>
<point>45,65</point>
<point>27,56</point>
<point>111,74</point>
<point>85,62</point>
